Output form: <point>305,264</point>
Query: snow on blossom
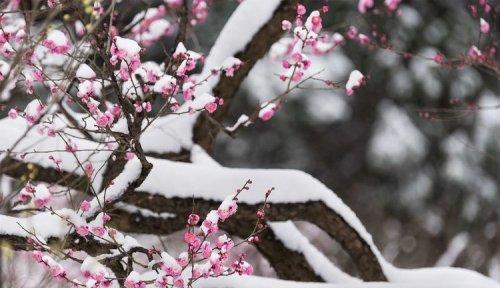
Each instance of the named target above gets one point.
<point>133,280</point>
<point>150,72</point>
<point>182,53</point>
<point>166,85</point>
<point>84,72</point>
<point>183,259</point>
<point>148,26</point>
<point>89,88</point>
<point>124,49</point>
<point>205,101</point>
<point>224,243</point>
<point>6,50</point>
<point>80,28</point>
<point>188,90</point>
<point>41,195</point>
<point>4,69</point>
<point>314,22</point>
<point>209,225</point>
<point>231,65</point>
<point>188,57</point>
<point>355,80</point>
<point>156,30</point>
<point>392,5</point>
<point>170,265</point>
<point>243,268</point>
<point>93,270</point>
<point>92,105</point>
<point>267,111</point>
<point>475,54</point>
<point>56,270</point>
<point>57,42</point>
<point>227,208</point>
<point>127,51</point>
<point>364,5</point>
<point>33,111</point>
<point>26,193</point>
<point>484,26</point>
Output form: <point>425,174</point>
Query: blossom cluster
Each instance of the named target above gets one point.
<point>208,253</point>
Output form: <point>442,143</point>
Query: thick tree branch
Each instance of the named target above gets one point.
<point>315,212</point>
<point>205,130</point>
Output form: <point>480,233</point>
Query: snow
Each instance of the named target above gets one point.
<point>144,212</point>
<point>175,131</point>
<point>354,81</point>
<point>14,129</point>
<point>166,82</point>
<point>199,102</point>
<point>130,173</point>
<point>230,62</point>
<point>292,186</point>
<point>57,37</point>
<point>130,47</point>
<point>242,120</point>
<point>85,72</point>
<point>294,240</point>
<point>201,157</point>
<point>248,18</point>
<point>90,264</point>
<point>44,225</point>
<point>167,134</point>
<point>456,246</point>
<point>215,183</point>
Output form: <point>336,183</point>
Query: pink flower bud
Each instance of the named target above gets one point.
<point>12,113</point>
<point>193,219</point>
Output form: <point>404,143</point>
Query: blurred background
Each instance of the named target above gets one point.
<point>408,152</point>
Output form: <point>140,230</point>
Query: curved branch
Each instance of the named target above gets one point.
<point>315,212</point>
<point>287,264</point>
